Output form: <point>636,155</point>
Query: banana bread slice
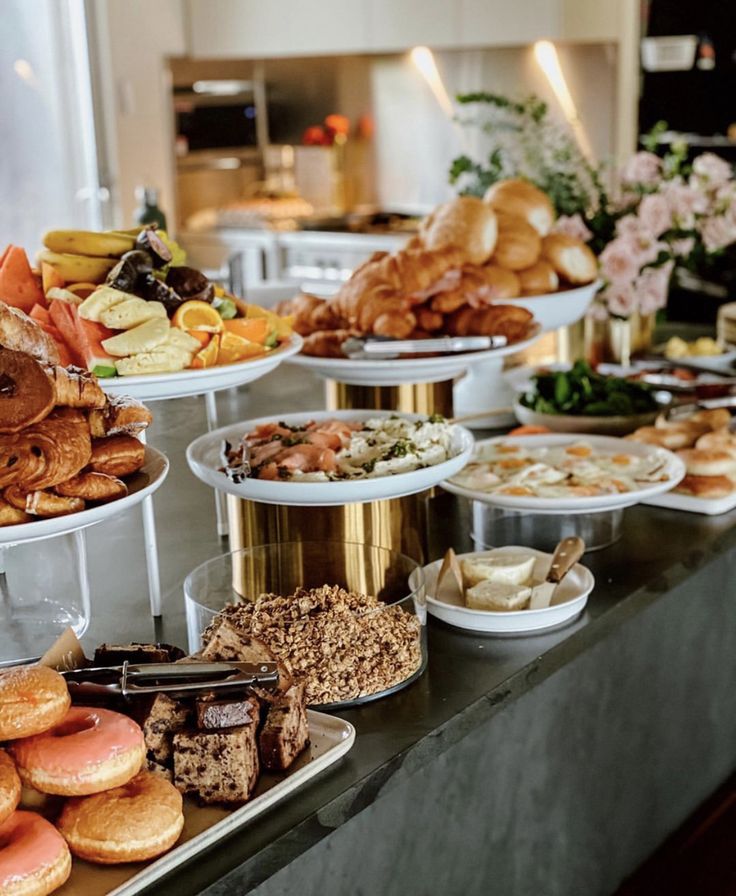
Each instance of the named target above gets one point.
<point>165,717</point>
<point>218,766</point>
<point>285,732</point>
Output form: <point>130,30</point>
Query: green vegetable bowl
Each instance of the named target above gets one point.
<point>581,400</point>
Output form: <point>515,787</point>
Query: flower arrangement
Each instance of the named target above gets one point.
<point>663,213</point>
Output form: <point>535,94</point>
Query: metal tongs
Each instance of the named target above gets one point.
<point>385,348</point>
<point>131,680</point>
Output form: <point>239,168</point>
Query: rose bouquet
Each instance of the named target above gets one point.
<point>663,213</point>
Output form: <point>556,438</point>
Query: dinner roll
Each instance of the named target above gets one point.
<point>538,279</point>
<point>467,223</point>
<point>700,462</point>
<point>519,197</point>
<point>715,418</point>
<point>518,245</point>
<point>502,283</point>
<point>665,438</point>
<point>705,486</point>
<point>571,258</point>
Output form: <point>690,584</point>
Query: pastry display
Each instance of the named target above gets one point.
<point>125,303</point>
<point>64,443</point>
<point>340,644</point>
<point>457,276</point>
<point>707,446</point>
<point>572,470</point>
<point>339,450</point>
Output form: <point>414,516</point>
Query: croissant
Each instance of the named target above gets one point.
<point>76,388</point>
<point>327,343</point>
<point>98,487</point>
<point>121,415</point>
<point>511,321</point>
<point>311,314</point>
<point>26,391</point>
<point>41,503</point>
<point>46,453</point>
<point>20,333</point>
<point>12,516</point>
<point>117,455</point>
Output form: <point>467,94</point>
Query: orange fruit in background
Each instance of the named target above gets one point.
<point>234,348</point>
<point>197,315</point>
<point>255,329</point>
<point>201,337</point>
<point>208,356</point>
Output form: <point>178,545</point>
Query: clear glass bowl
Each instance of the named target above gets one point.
<point>44,589</point>
<point>360,654</point>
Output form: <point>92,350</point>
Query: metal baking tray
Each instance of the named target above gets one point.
<point>330,739</point>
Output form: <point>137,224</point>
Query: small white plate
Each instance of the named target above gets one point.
<point>568,601</point>
<point>205,460</point>
<point>674,470</point>
<point>559,309</point>
<point>407,370</point>
<point>183,383</point>
<point>140,485</point>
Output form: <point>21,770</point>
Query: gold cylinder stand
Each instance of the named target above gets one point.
<point>409,398</point>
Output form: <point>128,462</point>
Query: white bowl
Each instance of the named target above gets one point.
<point>602,426</point>
<point>559,309</point>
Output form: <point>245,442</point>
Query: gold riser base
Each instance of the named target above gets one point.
<point>409,398</point>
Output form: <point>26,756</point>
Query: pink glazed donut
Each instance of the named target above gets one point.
<point>34,857</point>
<point>89,751</point>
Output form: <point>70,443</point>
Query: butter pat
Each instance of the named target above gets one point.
<point>505,567</point>
<point>497,596</point>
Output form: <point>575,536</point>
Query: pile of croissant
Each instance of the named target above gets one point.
<point>454,277</point>
<point>63,442</point>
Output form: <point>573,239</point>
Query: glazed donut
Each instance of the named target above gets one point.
<point>32,700</point>
<point>34,857</point>
<point>9,787</point>
<point>41,503</point>
<point>137,821</point>
<point>89,751</point>
<point>98,487</point>
<point>12,516</point>
<point>117,455</point>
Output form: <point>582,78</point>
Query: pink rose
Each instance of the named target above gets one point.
<point>683,247</point>
<point>655,214</point>
<point>652,287</point>
<point>712,169</point>
<point>718,232</point>
<point>642,168</point>
<point>629,225</point>
<point>621,300</point>
<point>685,202</point>
<point>619,260</point>
<point>574,226</point>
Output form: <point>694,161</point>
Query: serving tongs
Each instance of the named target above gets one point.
<point>386,348</point>
<point>130,680</point>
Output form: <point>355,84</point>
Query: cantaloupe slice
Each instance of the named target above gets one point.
<point>19,286</point>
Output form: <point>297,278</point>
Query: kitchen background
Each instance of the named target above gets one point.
<point>211,102</point>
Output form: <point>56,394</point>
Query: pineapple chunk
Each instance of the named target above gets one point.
<point>100,300</point>
<point>131,313</point>
<point>143,338</point>
<point>181,339</point>
<point>163,359</point>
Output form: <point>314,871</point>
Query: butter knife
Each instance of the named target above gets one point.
<point>566,555</point>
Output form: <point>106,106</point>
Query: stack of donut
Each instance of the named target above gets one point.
<point>63,442</point>
<point>113,811</point>
<point>458,275</point>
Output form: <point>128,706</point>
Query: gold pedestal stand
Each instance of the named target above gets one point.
<point>399,524</point>
<point>409,398</point>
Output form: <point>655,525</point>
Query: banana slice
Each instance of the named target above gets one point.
<point>143,338</point>
<point>504,567</point>
<point>99,301</point>
<point>131,313</point>
<point>497,596</point>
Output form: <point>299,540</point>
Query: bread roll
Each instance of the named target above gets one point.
<point>571,258</point>
<point>467,223</point>
<point>518,245</point>
<point>539,279</point>
<point>502,283</point>
<point>701,462</point>
<point>705,486</point>
<point>519,197</point>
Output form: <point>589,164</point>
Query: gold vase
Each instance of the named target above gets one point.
<point>617,340</point>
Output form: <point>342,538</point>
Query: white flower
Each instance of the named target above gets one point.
<point>652,288</point>
<point>574,226</point>
<point>642,168</point>
<point>718,232</point>
<point>685,201</point>
<point>655,214</point>
<point>620,261</point>
<point>621,300</point>
<point>712,169</point>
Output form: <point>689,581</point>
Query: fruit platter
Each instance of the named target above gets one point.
<point>125,306</point>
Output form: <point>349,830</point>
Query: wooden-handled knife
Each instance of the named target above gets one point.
<point>566,555</point>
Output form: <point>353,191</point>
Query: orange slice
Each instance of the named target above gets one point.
<point>208,356</point>
<point>83,290</point>
<point>202,338</point>
<point>255,329</point>
<point>234,348</point>
<point>196,315</point>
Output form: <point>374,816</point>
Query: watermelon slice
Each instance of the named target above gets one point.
<point>19,286</point>
<point>84,338</point>
<point>43,318</point>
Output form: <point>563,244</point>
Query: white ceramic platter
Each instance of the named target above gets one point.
<point>722,363</point>
<point>559,309</point>
<point>674,470</point>
<point>692,504</point>
<point>407,370</point>
<point>140,485</point>
<point>330,739</point>
<point>183,383</point>
<point>204,457</point>
<point>568,601</point>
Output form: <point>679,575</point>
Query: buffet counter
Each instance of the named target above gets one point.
<point>551,764</point>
